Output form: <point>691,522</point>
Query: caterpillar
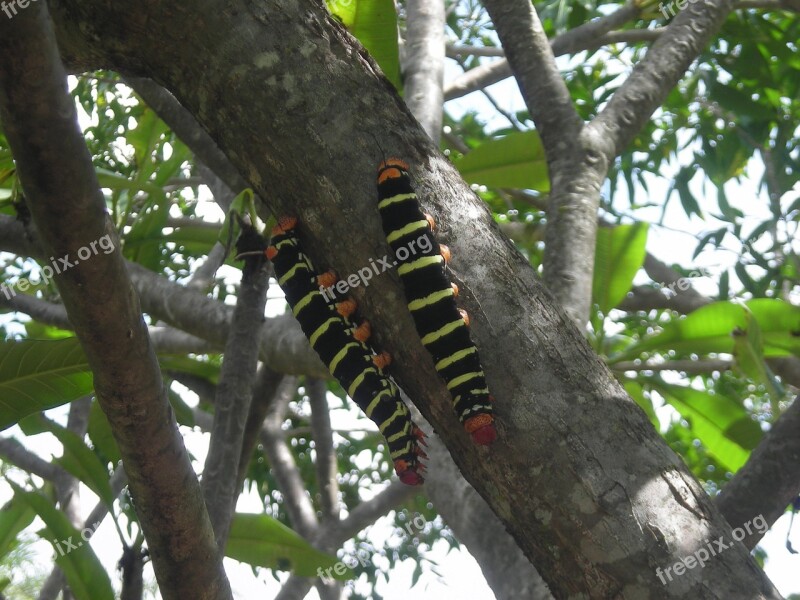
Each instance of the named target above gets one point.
<point>440,324</point>
<point>349,359</point>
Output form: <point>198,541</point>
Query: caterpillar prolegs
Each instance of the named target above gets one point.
<point>431,300</point>
<point>348,358</point>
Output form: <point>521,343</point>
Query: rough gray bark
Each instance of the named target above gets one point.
<point>506,569</point>
<point>56,172</point>
<point>576,497</point>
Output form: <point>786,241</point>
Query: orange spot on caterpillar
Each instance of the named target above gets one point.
<point>445,253</point>
<point>431,222</point>
<point>346,307</point>
<point>464,315</point>
<point>363,332</point>
<point>382,360</point>
<point>455,290</point>
<point>327,279</point>
<point>271,252</point>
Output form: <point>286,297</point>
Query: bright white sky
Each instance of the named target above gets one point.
<point>460,574</point>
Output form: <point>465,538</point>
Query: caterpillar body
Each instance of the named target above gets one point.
<point>344,351</point>
<point>441,326</point>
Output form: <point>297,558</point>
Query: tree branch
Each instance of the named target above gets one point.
<point>424,64</point>
<point>583,37</point>
<point>533,63</point>
<point>234,393</point>
<point>770,479</point>
<point>325,462</point>
<point>13,451</point>
<point>297,502</point>
<point>41,126</point>
<point>665,63</point>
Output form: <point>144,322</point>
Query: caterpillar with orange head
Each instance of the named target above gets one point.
<point>440,324</point>
<point>349,359</point>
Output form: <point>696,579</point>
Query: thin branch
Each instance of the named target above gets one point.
<point>234,392</point>
<point>13,451</point>
<point>665,63</point>
<point>576,40</point>
<point>424,63</point>
<point>297,502</point>
<point>325,463</point>
<point>166,340</point>
<point>531,58</point>
<point>266,387</point>
<point>690,367</point>
<point>770,479</point>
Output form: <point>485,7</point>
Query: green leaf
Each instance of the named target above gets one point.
<point>15,516</point>
<point>78,458</point>
<point>262,541</point>
<point>39,374</point>
<point>712,327</point>
<point>748,350</point>
<point>100,434</point>
<point>720,423</point>
<point>635,391</point>
<point>144,242</point>
<point>514,161</point>
<point>86,577</point>
<point>619,255</point>
<point>374,23</point>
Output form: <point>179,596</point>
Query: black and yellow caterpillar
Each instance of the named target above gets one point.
<point>431,299</point>
<point>344,351</point>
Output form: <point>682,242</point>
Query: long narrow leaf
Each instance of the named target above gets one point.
<point>514,161</point>
<point>619,255</point>
<point>712,329</point>
<point>722,425</point>
<point>87,578</point>
<point>262,541</point>
<point>39,374</point>
<point>15,516</point>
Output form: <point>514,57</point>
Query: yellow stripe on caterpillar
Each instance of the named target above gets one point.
<point>398,198</point>
<point>462,378</point>
<point>321,330</point>
<point>442,331</point>
<point>420,263</point>
<point>455,357</point>
<point>410,228</point>
<point>431,299</point>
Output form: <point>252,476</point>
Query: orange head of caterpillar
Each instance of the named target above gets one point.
<point>391,168</point>
<point>284,224</point>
